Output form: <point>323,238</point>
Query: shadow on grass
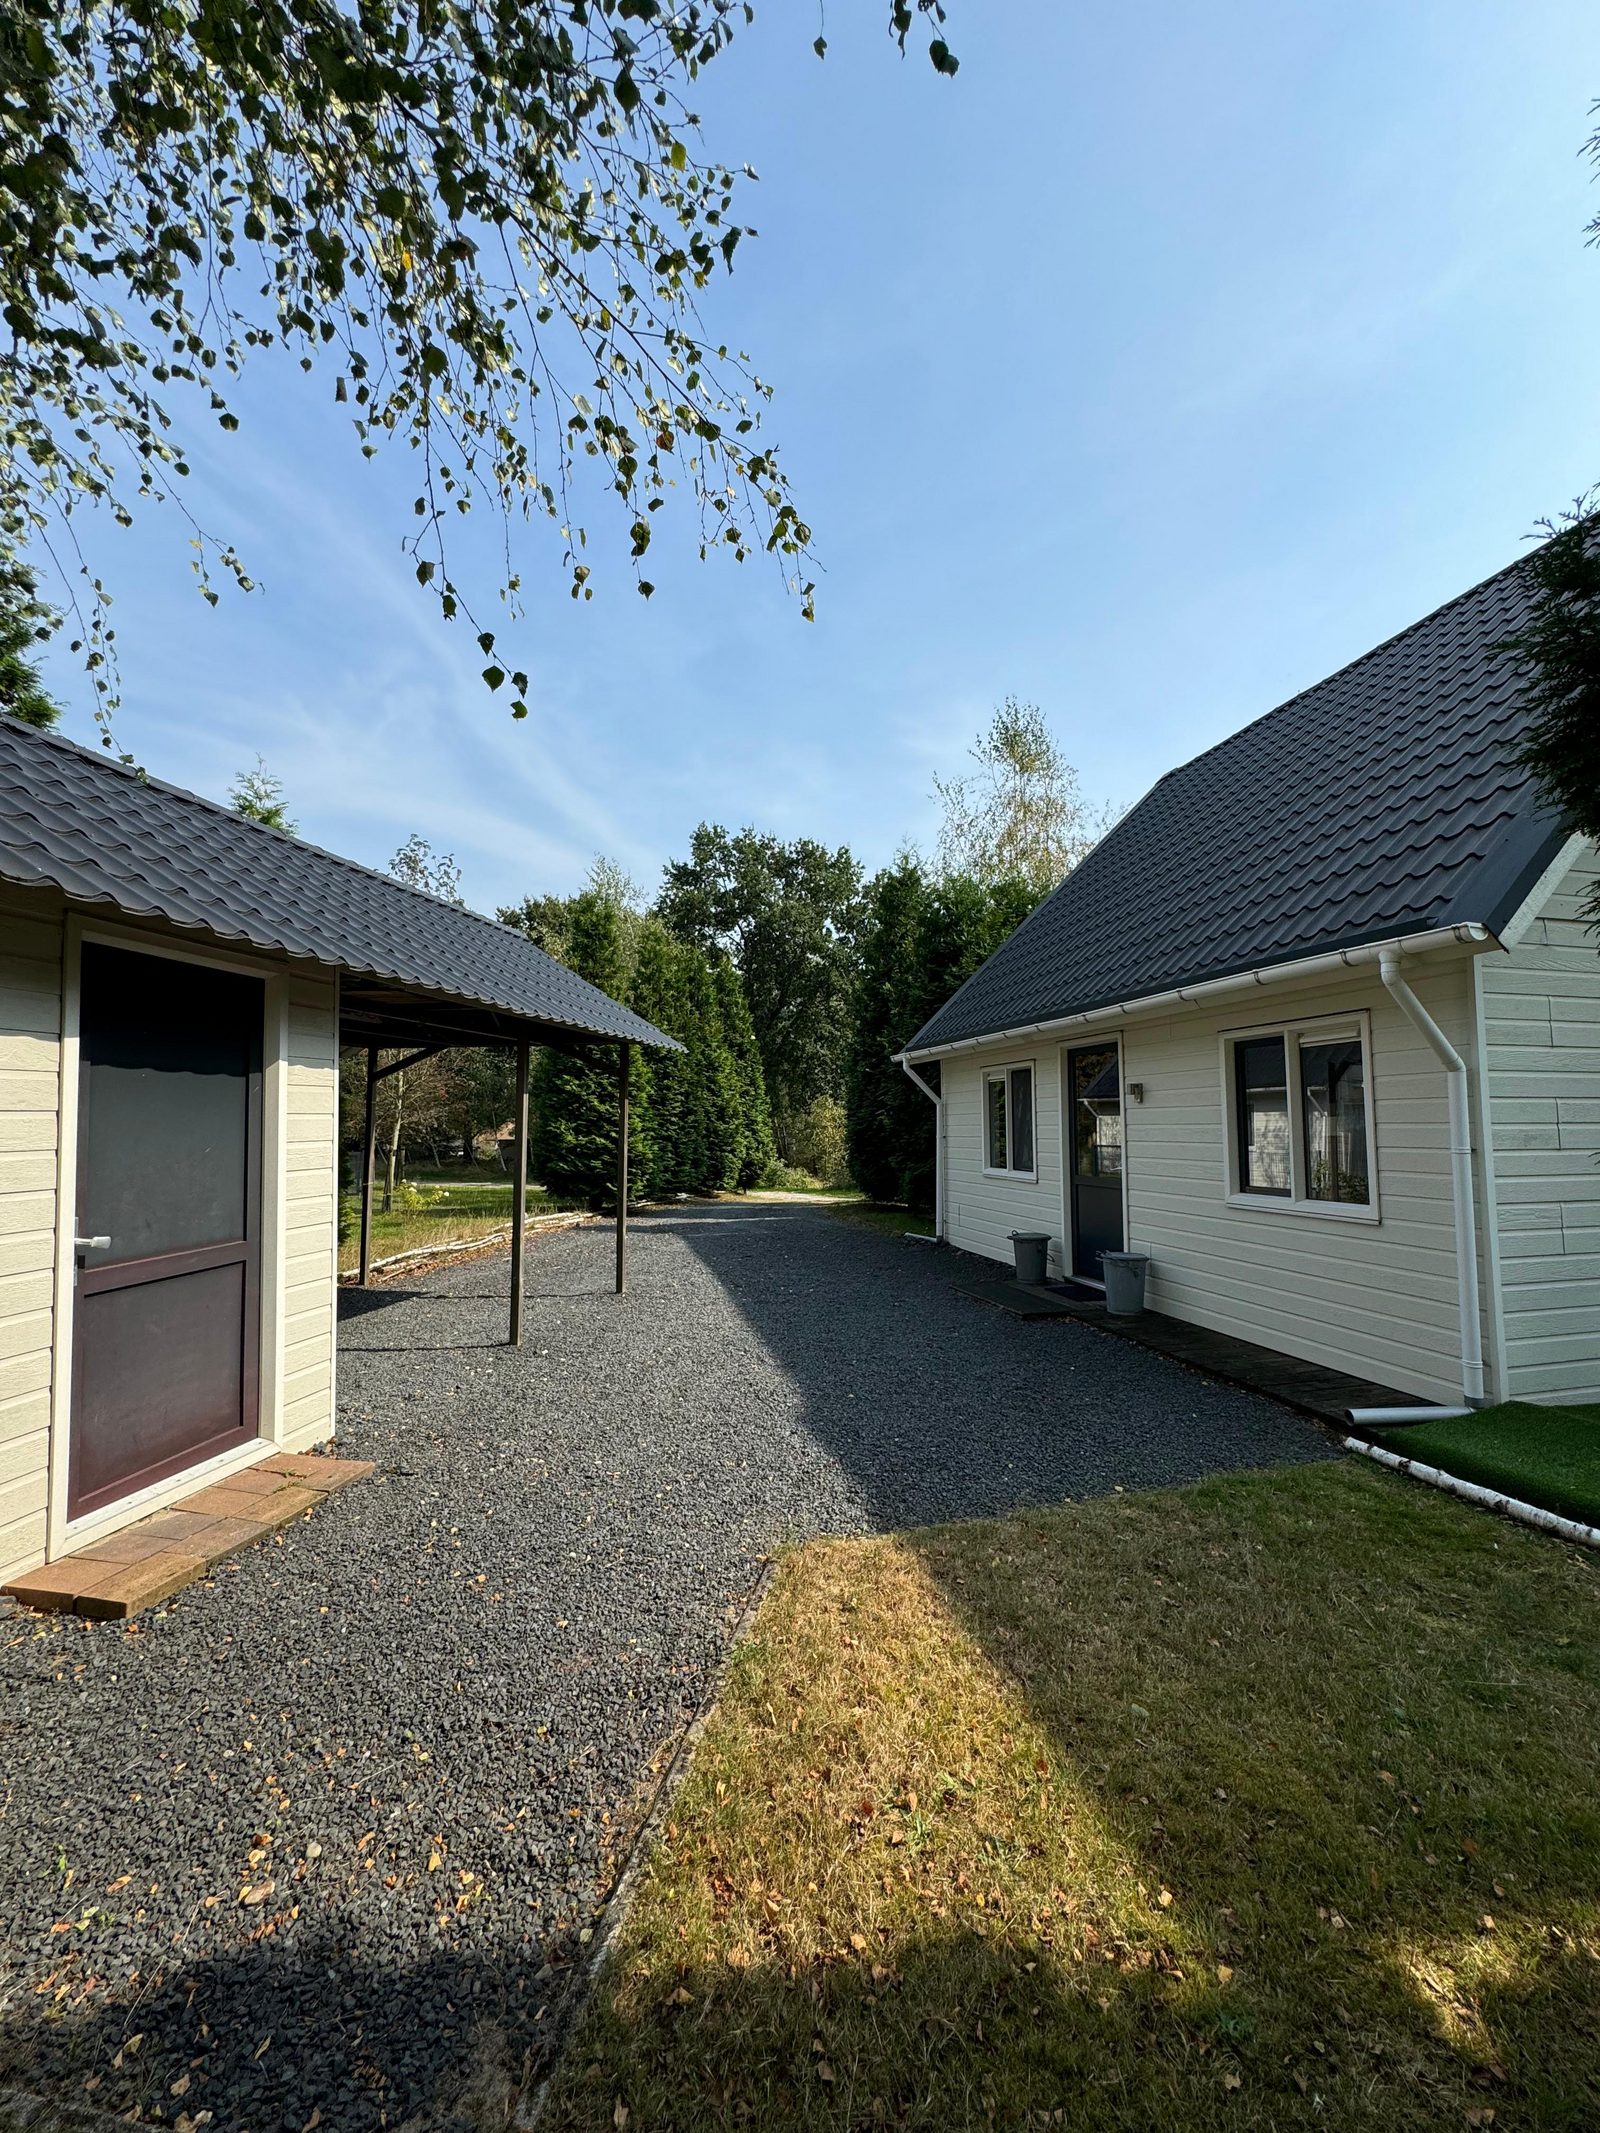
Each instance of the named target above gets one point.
<point>1264,1804</point>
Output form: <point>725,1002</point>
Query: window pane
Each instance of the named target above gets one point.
<point>1097,1114</point>
<point>1261,1082</point>
<point>1022,1119</point>
<point>995,1097</point>
<point>1333,1102</point>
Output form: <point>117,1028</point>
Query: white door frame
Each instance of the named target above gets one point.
<point>1069,1153</point>
<point>63,1534</point>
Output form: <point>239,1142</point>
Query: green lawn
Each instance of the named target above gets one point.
<point>1268,1804</point>
<point>873,1214</point>
<point>446,1213</point>
<point>1544,1455</point>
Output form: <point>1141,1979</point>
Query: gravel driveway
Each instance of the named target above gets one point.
<point>415,1728</point>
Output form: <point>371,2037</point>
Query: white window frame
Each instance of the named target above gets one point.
<point>1321,1029</point>
<point>1004,1074</point>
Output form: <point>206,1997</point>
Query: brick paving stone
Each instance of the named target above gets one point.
<point>131,1586</point>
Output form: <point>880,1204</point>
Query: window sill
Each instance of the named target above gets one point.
<point>1263,1203</point>
<point>1013,1177</point>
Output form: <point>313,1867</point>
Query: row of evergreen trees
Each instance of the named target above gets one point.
<point>920,935</point>
<point>699,1119</point>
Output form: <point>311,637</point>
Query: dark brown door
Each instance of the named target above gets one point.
<point>1094,1093</point>
<point>166,1320</point>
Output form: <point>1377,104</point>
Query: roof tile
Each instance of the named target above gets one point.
<point>103,834</point>
<point>1386,800</point>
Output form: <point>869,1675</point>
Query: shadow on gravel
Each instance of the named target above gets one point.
<point>296,2027</point>
<point>941,1408</point>
<point>360,1303</point>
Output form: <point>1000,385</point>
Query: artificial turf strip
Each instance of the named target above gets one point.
<point>1548,1456</point>
<point>1264,1804</point>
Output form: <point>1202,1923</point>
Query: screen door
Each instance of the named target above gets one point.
<point>166,1317</point>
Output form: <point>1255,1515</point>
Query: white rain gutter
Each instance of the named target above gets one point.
<point>1466,1218</point>
<point>1309,966</point>
<point>937,1102</point>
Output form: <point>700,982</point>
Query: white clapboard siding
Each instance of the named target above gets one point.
<point>1374,1299</point>
<point>30,1104</point>
<point>982,1210</point>
<point>1542,1048</point>
<point>310,1241</point>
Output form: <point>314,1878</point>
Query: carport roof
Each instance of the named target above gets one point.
<point>418,969</point>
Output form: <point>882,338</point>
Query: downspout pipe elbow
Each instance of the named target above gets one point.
<point>1463,1204</point>
<point>937,1102</point>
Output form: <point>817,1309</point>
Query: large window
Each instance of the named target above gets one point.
<point>1008,1120</point>
<point>1301,1113</point>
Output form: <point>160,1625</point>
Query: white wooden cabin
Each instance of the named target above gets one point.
<point>1234,1039</point>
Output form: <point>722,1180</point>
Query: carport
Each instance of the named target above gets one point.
<point>177,985</point>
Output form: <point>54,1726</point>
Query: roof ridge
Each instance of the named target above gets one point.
<point>48,738</point>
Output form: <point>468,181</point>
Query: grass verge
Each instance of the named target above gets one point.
<point>1544,1455</point>
<point>1263,1804</point>
<point>433,1214</point>
<point>874,1214</point>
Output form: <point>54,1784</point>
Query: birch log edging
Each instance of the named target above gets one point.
<point>1530,1514</point>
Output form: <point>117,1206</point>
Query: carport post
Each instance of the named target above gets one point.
<point>519,1191</point>
<point>624,1054</point>
<point>368,1155</point>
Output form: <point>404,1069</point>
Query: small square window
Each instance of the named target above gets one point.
<point>1301,1106</point>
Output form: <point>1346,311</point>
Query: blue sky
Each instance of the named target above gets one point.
<point>1161,362</point>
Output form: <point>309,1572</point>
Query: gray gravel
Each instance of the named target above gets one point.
<point>426,1715</point>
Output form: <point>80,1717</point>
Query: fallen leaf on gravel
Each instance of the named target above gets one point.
<point>434,1862</point>
<point>180,2087</point>
<point>262,2047</point>
<point>257,1892</point>
<point>313,2121</point>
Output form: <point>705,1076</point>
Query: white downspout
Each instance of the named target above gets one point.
<point>1466,1220</point>
<point>937,1102</point>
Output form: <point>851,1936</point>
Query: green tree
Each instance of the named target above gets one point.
<point>757,1150</point>
<point>575,1107</point>
<point>258,796</point>
<point>785,914</point>
<point>1559,649</point>
<point>919,940</point>
<point>419,866</point>
<point>659,994</point>
<point>1021,815</point>
<point>489,224</point>
<point>886,1117</point>
<point>25,623</point>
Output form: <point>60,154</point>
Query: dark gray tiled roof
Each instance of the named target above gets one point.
<point>1383,801</point>
<point>73,820</point>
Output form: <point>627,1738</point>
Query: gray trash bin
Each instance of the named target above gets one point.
<point>1032,1248</point>
<point>1125,1272</point>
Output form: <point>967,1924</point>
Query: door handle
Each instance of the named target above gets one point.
<point>91,1244</point>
